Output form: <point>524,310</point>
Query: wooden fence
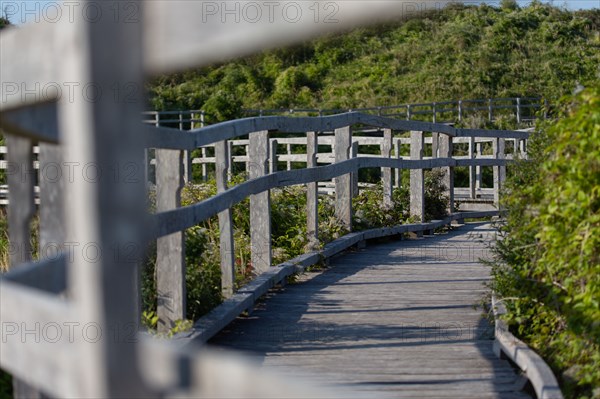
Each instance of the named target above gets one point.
<point>522,109</point>
<point>70,320</point>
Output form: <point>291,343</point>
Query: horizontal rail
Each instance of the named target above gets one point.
<point>179,219</point>
<point>162,137</point>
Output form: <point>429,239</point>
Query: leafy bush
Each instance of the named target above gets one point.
<point>548,263</point>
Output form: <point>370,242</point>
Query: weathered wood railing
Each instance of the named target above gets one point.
<point>172,220</point>
<point>70,321</point>
<point>523,109</point>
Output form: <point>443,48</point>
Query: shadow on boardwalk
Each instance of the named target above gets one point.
<point>396,319</point>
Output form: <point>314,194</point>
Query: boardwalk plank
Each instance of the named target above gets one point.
<point>397,319</point>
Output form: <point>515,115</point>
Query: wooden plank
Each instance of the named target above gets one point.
<point>498,149</point>
<point>170,250</point>
<point>49,275</point>
<point>472,170</point>
<point>161,137</point>
<point>37,122</point>
<point>226,243</point>
<point>354,175</point>
<point>260,204</point>
<point>417,182</point>
<point>52,179</point>
<point>343,184</point>
<point>21,177</point>
<point>186,35</point>
<point>38,331</point>
<point>538,372</point>
<point>446,151</point>
<point>180,219</point>
<point>386,173</point>
<point>418,336</point>
<point>32,75</point>
<point>105,135</point>
<point>312,198</point>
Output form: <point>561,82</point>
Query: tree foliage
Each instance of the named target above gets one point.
<point>548,266</point>
<point>459,52</point>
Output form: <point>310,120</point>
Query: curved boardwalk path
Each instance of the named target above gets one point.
<point>396,319</point>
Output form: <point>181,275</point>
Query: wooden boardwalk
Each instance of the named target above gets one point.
<point>396,319</point>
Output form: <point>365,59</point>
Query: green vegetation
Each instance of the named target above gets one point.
<point>548,263</point>
<point>459,52</point>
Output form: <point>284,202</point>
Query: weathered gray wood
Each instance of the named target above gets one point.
<point>273,159</point>
<point>446,152</point>
<point>312,199</point>
<point>435,144</point>
<point>36,343</point>
<point>38,122</point>
<point>52,182</point>
<point>472,170</point>
<point>417,181</point>
<point>386,173</point>
<point>343,184</point>
<point>172,42</point>
<point>478,172</point>
<point>499,171</point>
<point>418,336</point>
<point>105,214</point>
<point>537,371</point>
<point>354,175</point>
<point>35,69</point>
<point>48,275</point>
<point>180,219</point>
<point>170,252</point>
<point>21,176</point>
<point>397,172</point>
<point>225,222</point>
<point>260,204</point>
<point>162,137</point>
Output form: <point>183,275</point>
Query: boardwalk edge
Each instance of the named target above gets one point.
<point>535,368</point>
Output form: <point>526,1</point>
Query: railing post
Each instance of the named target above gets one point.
<point>446,149</point>
<point>204,174</point>
<point>289,152</point>
<point>478,174</point>
<point>187,157</point>
<point>386,173</point>
<point>434,119</point>
<point>499,171</point>
<point>518,111</point>
<point>472,168</point>
<point>21,207</point>
<point>460,110</point>
<point>225,221</point>
<point>408,114</point>
<point>273,156</point>
<point>343,184</point>
<point>170,252</point>
<point>260,204</point>
<point>398,172</point>
<point>230,160</point>
<point>435,145</point>
<point>312,199</point>
<point>490,110</point>
<point>354,174</point>
<point>417,182</point>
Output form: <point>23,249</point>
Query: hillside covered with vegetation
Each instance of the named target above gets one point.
<point>460,52</point>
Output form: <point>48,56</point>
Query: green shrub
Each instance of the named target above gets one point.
<point>548,263</point>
